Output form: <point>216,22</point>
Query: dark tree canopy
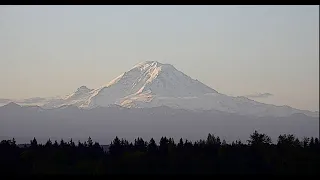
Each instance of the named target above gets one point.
<point>288,156</point>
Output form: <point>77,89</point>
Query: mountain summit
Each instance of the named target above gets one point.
<point>147,80</point>
<point>154,84</point>
<point>160,79</point>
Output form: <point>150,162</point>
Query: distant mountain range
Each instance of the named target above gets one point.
<point>152,84</point>
<point>104,123</point>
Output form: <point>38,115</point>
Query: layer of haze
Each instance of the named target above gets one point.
<point>237,50</point>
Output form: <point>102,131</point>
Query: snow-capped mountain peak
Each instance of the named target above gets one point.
<point>153,84</point>
<point>146,64</point>
<point>144,81</point>
<point>150,78</point>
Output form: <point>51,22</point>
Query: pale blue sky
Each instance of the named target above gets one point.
<point>237,50</point>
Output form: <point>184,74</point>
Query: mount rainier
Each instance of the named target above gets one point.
<point>153,84</point>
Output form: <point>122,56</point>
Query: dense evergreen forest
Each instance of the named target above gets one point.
<point>288,155</point>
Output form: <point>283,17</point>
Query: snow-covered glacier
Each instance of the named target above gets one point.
<point>153,84</point>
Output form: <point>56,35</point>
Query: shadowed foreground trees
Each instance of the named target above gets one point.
<point>288,156</point>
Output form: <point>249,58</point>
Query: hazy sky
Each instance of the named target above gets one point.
<point>237,50</point>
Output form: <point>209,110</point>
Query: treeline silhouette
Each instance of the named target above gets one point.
<point>258,155</point>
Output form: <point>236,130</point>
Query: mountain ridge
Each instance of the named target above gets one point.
<point>151,84</point>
